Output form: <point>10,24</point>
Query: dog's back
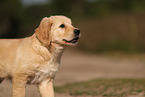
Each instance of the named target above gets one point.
<point>8,48</point>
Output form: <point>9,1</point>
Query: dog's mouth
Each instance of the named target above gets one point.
<point>75,40</point>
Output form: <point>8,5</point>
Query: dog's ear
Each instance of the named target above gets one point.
<point>43,31</point>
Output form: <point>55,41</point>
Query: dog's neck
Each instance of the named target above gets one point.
<point>54,50</point>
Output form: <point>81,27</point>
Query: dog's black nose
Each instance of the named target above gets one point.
<point>77,31</point>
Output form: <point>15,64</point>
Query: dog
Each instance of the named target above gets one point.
<point>36,59</point>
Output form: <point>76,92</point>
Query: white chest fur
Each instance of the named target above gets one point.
<point>47,69</point>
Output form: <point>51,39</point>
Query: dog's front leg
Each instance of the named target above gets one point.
<point>18,86</point>
<point>46,88</point>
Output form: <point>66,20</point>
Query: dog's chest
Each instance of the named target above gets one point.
<point>47,71</point>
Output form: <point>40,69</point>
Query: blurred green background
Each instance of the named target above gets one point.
<point>106,25</point>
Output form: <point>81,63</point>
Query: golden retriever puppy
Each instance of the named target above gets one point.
<point>36,59</point>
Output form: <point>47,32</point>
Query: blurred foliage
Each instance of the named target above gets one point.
<point>106,25</point>
<point>9,18</point>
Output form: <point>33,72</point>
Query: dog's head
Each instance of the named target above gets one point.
<point>57,29</point>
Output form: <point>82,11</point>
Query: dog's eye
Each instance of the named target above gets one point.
<point>62,26</point>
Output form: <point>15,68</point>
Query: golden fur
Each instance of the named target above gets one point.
<point>36,59</point>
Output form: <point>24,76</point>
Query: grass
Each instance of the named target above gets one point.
<point>105,88</point>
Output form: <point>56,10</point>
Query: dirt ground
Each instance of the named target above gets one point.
<point>77,66</point>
